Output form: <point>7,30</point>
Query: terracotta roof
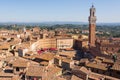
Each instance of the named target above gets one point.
<point>1,69</point>
<point>15,77</point>
<point>5,78</point>
<point>97,66</point>
<point>116,66</point>
<point>58,57</point>
<point>110,78</point>
<point>5,46</point>
<point>108,61</point>
<point>29,52</point>
<point>95,76</point>
<point>37,71</point>
<point>68,53</point>
<point>27,57</point>
<point>14,42</point>
<point>44,63</point>
<point>2,74</point>
<point>52,72</point>
<point>8,68</point>
<point>41,71</point>
<point>53,69</point>
<point>83,69</point>
<point>23,45</point>
<point>64,59</point>
<point>46,56</point>
<point>67,60</point>
<point>101,58</point>
<point>83,60</point>
<point>75,78</point>
<point>10,59</point>
<point>60,78</point>
<point>20,63</point>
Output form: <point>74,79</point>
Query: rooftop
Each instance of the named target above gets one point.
<point>97,66</point>
<point>20,63</point>
<point>3,74</point>
<point>75,78</point>
<point>35,71</point>
<point>116,66</point>
<point>46,56</point>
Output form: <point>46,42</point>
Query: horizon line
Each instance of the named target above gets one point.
<point>51,22</point>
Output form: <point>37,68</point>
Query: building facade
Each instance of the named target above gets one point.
<point>64,43</point>
<point>57,43</point>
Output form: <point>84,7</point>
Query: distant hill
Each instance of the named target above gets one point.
<point>40,23</point>
<point>54,23</point>
<point>109,24</point>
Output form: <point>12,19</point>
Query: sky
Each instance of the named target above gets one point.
<point>58,10</point>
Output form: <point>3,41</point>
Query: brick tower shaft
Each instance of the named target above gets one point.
<point>92,27</point>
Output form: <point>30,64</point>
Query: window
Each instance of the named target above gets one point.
<point>106,49</point>
<point>17,69</point>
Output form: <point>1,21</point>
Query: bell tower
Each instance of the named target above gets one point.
<point>92,27</point>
